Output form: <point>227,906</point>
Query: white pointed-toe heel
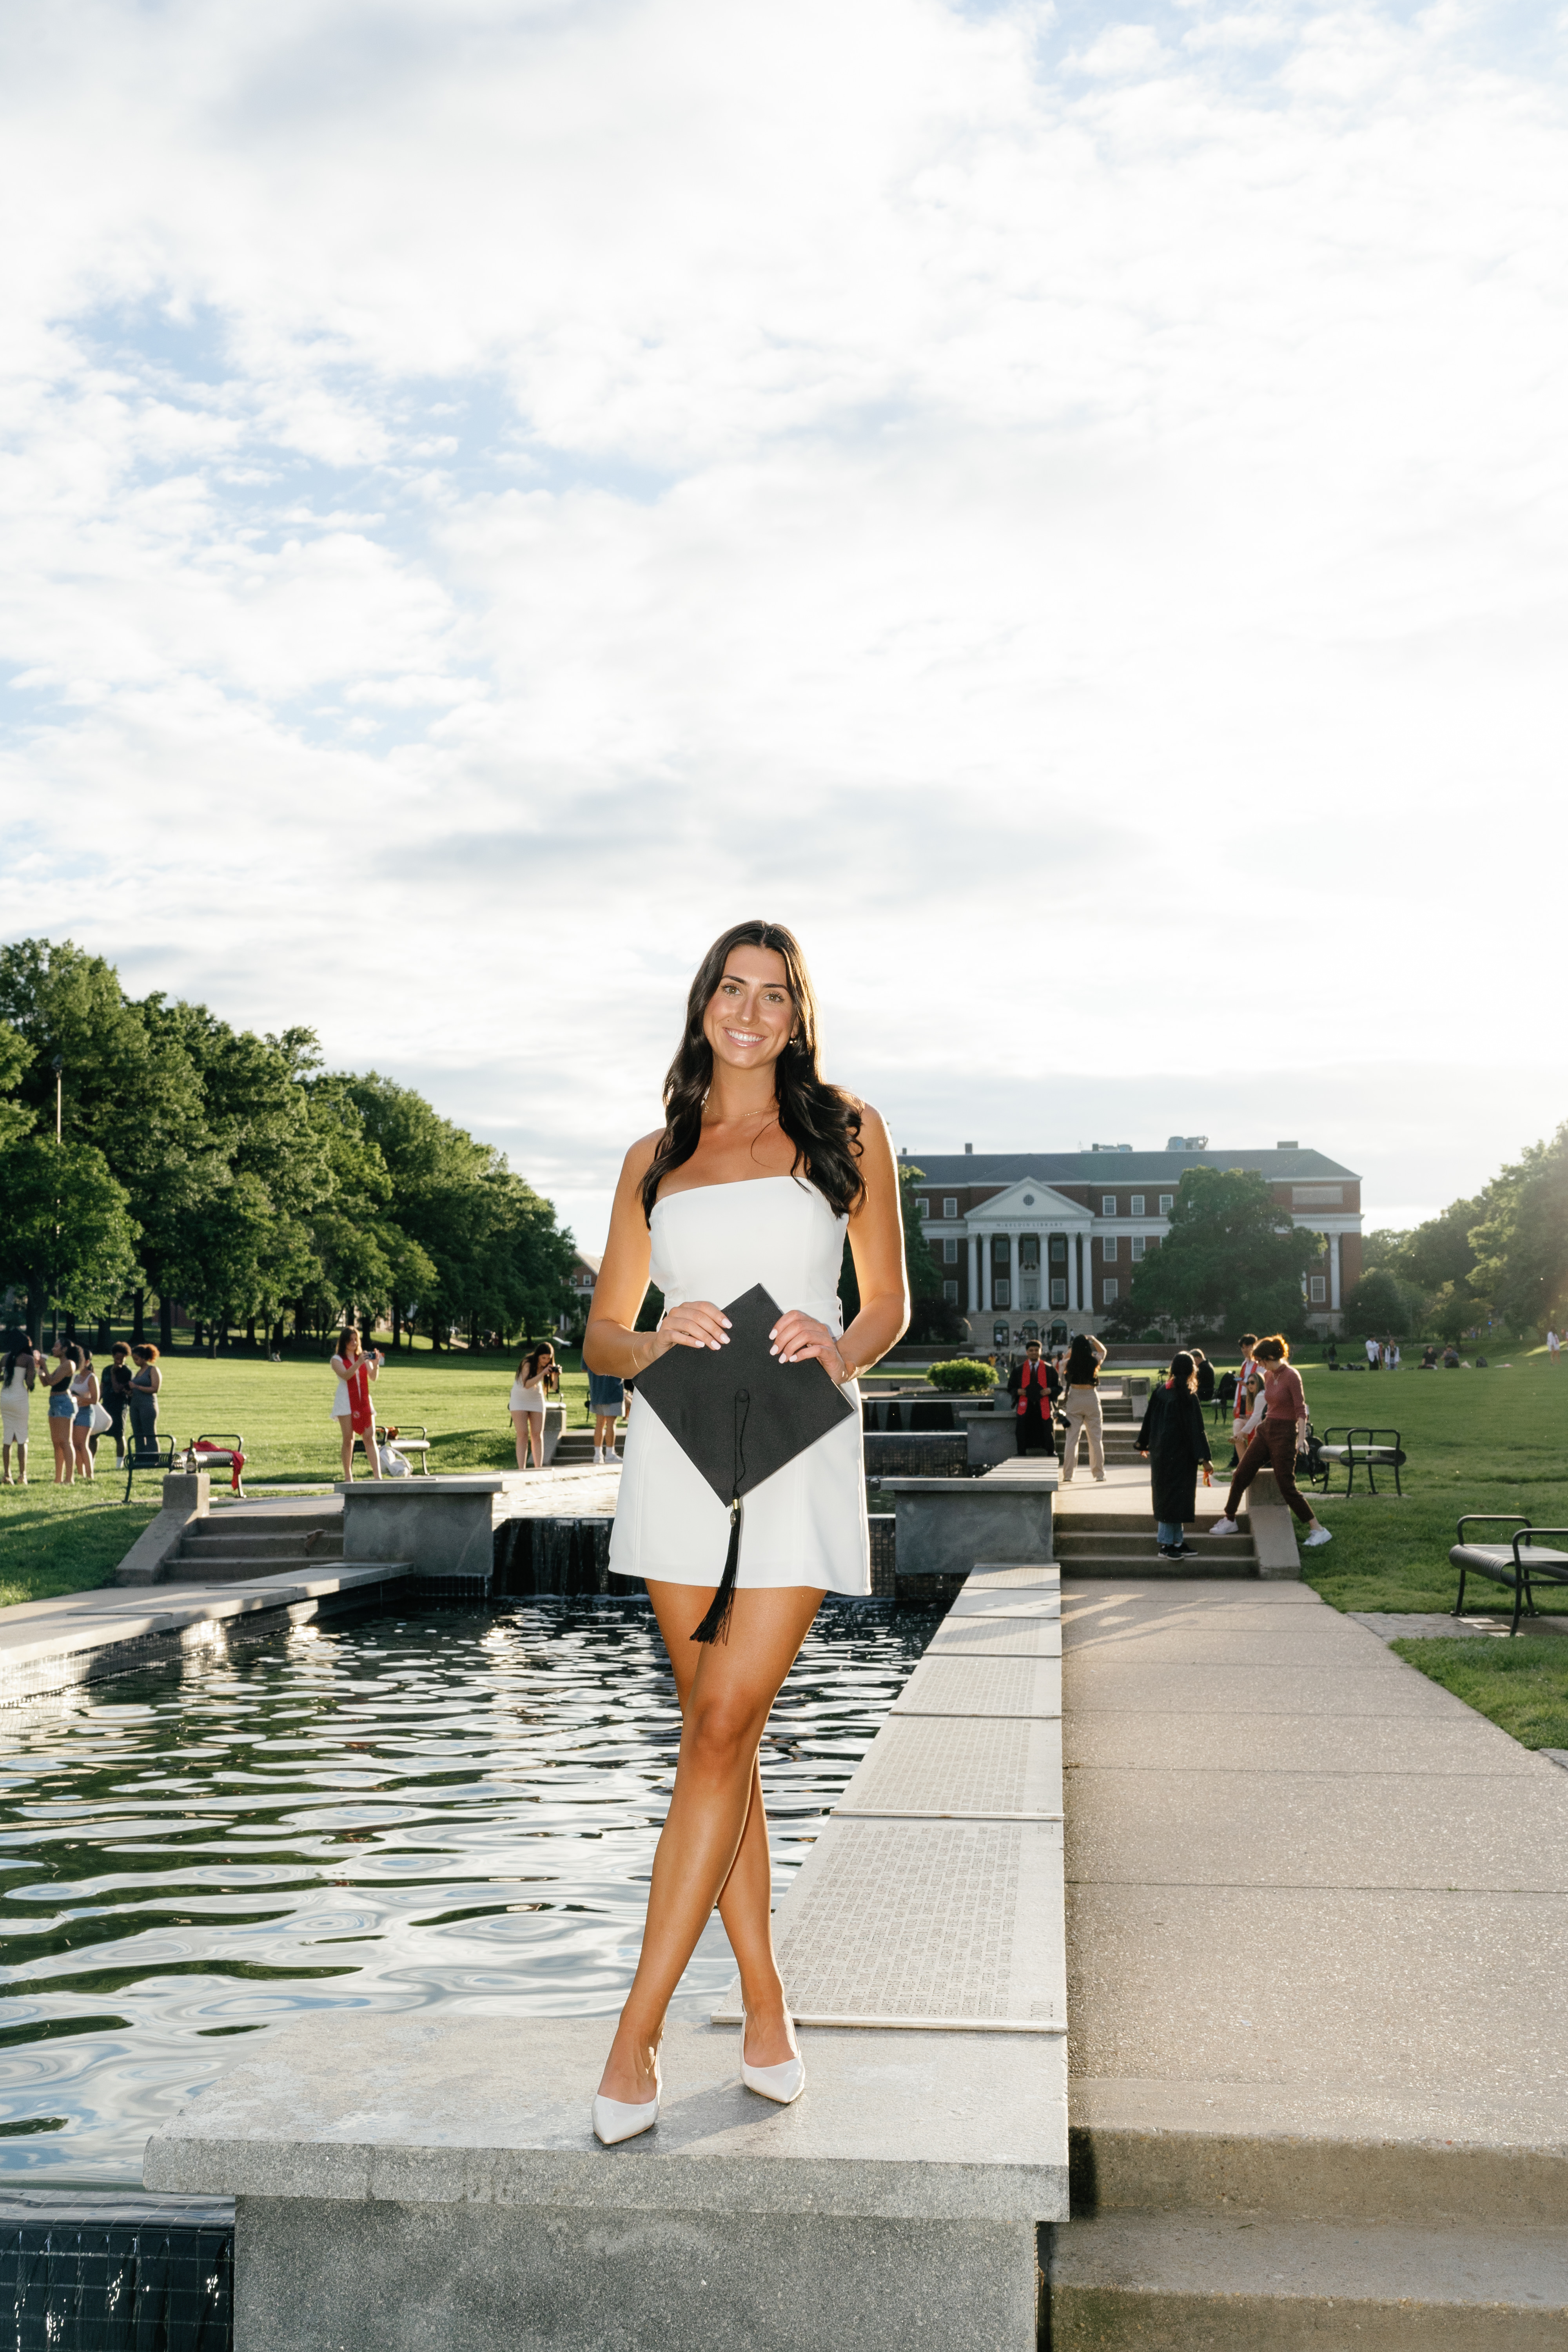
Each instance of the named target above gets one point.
<point>782,2084</point>
<point>616,2120</point>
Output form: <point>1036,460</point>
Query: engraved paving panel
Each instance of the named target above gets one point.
<point>998,1686</point>
<point>949,1919</point>
<point>952,1765</point>
<point>995,1637</point>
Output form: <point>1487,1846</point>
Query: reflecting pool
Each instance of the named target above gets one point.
<point>452,1807</point>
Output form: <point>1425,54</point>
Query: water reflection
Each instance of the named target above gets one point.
<point>452,1807</point>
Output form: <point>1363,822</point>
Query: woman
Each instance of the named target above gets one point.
<point>20,1370</point>
<point>146,1383</point>
<point>607,1399</point>
<point>62,1411</point>
<point>536,1376</point>
<point>1203,1372</point>
<point>1172,1440</point>
<point>1081,1380</point>
<point>1246,1401</point>
<point>117,1396</point>
<point>1275,1444</point>
<point>759,1169</point>
<point>352,1407</point>
<point>84,1392</point>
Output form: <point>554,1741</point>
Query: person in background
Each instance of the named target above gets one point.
<point>1174,1441</point>
<point>146,1383</point>
<point>606,1399</point>
<point>1081,1380</point>
<point>1275,1443</point>
<point>62,1410</point>
<point>1374,1355</point>
<point>352,1407</point>
<point>84,1395</point>
<point>1332,1358</point>
<point>116,1395</point>
<point>1203,1371</point>
<point>21,1367</point>
<point>536,1378</point>
<point>1245,1400</point>
<point>1394,1355</point>
<point>1450,1357</point>
<point>1554,1348</point>
<point>1029,1386</point>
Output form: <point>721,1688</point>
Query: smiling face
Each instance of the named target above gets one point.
<point>751,1016</point>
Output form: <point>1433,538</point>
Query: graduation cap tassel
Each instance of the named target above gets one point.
<point>715,1626</point>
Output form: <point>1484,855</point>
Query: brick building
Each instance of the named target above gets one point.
<point>1033,1244</point>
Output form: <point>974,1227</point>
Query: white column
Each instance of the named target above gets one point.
<point>974,1298</point>
<point>1333,1270</point>
<point>1072,1274</point>
<point>1013,1272</point>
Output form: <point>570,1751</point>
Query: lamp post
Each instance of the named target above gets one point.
<point>57,1065</point>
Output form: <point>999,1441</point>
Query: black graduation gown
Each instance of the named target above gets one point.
<point>1173,1437</point>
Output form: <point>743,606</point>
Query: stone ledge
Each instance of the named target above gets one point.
<point>495,2111</point>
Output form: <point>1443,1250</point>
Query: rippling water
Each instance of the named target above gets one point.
<point>452,1807</point>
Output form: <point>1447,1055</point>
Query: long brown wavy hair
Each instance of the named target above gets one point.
<point>821,1120</point>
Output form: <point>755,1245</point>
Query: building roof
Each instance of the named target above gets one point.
<point>1118,1168</point>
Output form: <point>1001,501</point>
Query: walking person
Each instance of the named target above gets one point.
<point>1275,1444</point>
<point>1081,1379</point>
<point>57,1379</point>
<point>146,1382</point>
<point>84,1392</point>
<point>607,1399</point>
<point>761,1168</point>
<point>352,1407</point>
<point>1030,1386</point>
<point>1174,1441</point>
<point>116,1396</point>
<point>1245,1399</point>
<point>1554,1348</point>
<point>21,1367</point>
<point>537,1378</point>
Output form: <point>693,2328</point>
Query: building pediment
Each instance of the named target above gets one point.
<point>1029,1203</point>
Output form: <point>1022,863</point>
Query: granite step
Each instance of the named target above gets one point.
<point>225,1541</point>
<point>245,1569</point>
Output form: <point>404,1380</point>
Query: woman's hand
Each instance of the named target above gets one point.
<point>697,1324</point>
<point>798,1339</point>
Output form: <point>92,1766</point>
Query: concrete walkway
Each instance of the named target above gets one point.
<point>1318,1940</point>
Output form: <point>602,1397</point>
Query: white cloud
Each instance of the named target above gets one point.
<point>547,480</point>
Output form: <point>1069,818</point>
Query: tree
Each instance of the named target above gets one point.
<point>1521,1243</point>
<point>1230,1261</point>
<point>15,1053</point>
<point>932,1317</point>
<point>1379,1302</point>
<point>66,1233</point>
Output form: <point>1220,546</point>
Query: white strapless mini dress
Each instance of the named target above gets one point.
<point>806,1524</point>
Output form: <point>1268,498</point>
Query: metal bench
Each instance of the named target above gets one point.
<point>158,1456</point>
<point>1508,1564</point>
<point>419,1446</point>
<point>1376,1452</point>
<point>225,1452</point>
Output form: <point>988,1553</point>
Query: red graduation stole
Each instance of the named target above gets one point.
<point>361,1417</point>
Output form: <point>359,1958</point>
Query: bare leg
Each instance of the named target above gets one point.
<point>83,1453</point>
<point>21,1465</point>
<point>536,1437</point>
<point>346,1425</point>
<point>5,1462</point>
<point>724,1709</point>
<point>520,1427</point>
<point>60,1439</point>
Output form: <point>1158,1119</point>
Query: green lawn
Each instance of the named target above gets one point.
<point>62,1539</point>
<point>1520,1685</point>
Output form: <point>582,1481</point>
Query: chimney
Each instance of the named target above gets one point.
<point>1290,1144</point>
<point>969,1147</point>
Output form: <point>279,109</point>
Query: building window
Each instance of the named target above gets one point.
<point>1058,1294</point>
<point>1137,1248</point>
<point>1108,1204</point>
<point>1320,1289</point>
<point>1109,1293</point>
<point>1108,1249</point>
<point>950,1208</point>
<point>1059,1249</point>
<point>1001,1291</point>
<point>925,1207</point>
<point>1028,1292</point>
<point>1167,1202</point>
<point>1317,1196</point>
<point>1029,1253</point>
<point>1136,1205</point>
<point>949,1292</point>
<point>949,1249</point>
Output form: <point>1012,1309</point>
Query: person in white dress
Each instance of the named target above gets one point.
<point>759,1170</point>
<point>537,1378</point>
<point>354,1409</point>
<point>21,1367</point>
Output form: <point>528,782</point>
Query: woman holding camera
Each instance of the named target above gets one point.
<point>352,1407</point>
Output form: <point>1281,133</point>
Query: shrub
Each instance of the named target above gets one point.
<point>961,1376</point>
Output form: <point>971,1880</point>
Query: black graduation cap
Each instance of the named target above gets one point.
<point>739,1414</point>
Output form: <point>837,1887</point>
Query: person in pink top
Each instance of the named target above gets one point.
<point>1274,1441</point>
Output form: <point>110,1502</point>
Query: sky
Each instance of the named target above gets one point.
<point>1063,506</point>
